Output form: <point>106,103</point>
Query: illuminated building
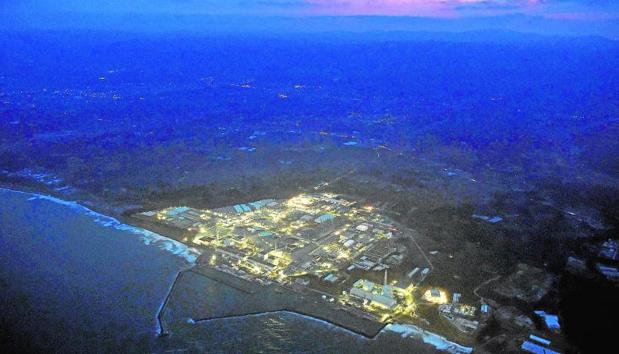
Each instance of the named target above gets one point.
<point>365,290</point>
<point>380,295</point>
<point>435,296</point>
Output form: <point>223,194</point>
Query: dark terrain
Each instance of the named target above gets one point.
<point>433,129</point>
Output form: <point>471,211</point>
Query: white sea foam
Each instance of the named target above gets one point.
<point>406,330</point>
<point>148,237</point>
<point>438,342</point>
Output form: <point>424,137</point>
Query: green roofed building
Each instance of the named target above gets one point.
<point>324,218</point>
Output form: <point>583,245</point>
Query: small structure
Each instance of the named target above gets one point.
<point>412,273</point>
<point>541,340</point>
<point>551,321</point>
<point>436,296</point>
<point>176,211</point>
<point>532,347</point>
<point>608,250</point>
<point>456,298</point>
<point>362,227</point>
<point>324,218</point>
<point>484,308</point>
<point>331,278</point>
<point>364,263</point>
<point>611,273</point>
<point>239,209</point>
<point>576,264</point>
<point>492,220</point>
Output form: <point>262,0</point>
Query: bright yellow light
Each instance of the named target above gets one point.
<point>343,255</point>
<point>440,299</point>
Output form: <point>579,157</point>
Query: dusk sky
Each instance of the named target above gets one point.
<point>579,13</point>
<point>592,9</point>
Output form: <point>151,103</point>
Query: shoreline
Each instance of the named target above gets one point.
<point>116,220</point>
<point>290,304</point>
<point>148,237</point>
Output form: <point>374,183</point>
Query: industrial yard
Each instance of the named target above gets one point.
<point>321,254</point>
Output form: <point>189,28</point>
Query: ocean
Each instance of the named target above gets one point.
<point>72,280</point>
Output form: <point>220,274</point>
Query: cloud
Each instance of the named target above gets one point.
<point>455,8</point>
<point>572,9</point>
<point>381,7</point>
<point>538,16</point>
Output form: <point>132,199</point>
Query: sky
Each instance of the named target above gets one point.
<point>583,15</point>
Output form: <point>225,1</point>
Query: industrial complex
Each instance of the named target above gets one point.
<point>348,254</point>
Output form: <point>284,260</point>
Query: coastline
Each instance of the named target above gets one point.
<point>437,341</point>
<point>148,237</point>
<point>99,213</point>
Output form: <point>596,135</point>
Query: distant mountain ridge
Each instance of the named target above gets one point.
<point>495,28</point>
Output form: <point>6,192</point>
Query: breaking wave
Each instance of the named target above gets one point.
<point>148,237</point>
<point>438,342</point>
